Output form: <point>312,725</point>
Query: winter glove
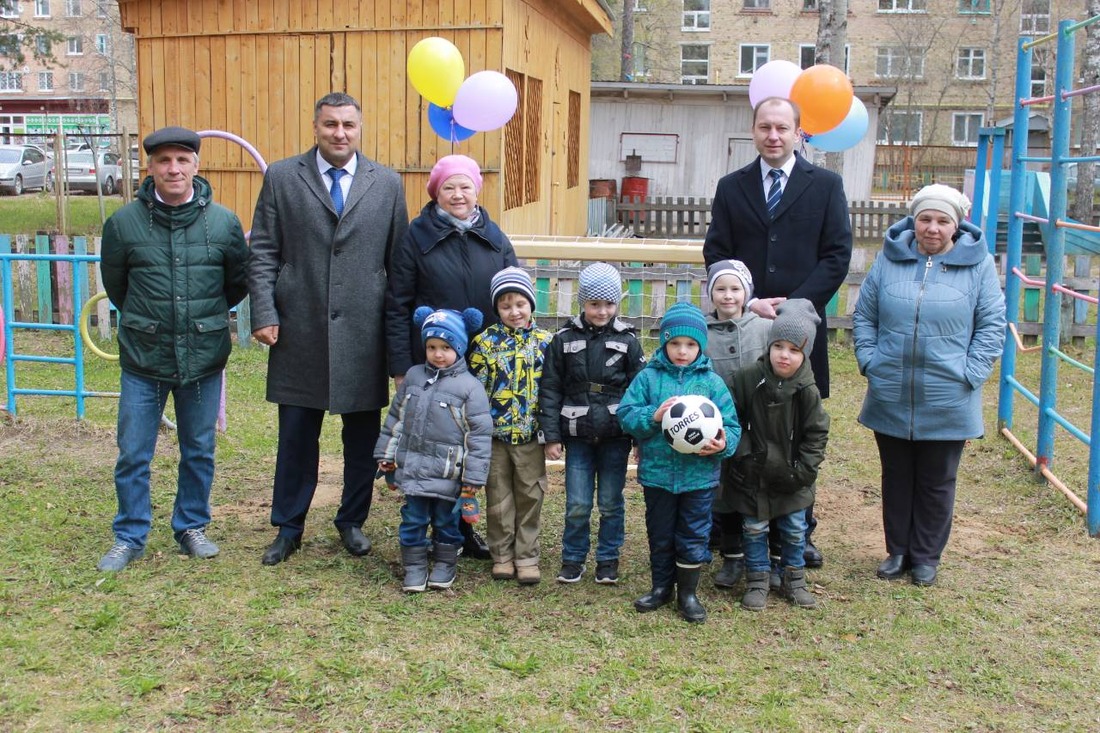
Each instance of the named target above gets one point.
<point>471,511</point>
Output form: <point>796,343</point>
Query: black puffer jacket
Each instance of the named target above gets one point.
<point>586,373</point>
<point>173,272</point>
<point>438,266</point>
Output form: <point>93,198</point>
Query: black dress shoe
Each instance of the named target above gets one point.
<point>474,545</point>
<point>812,556</point>
<point>923,574</point>
<point>893,567</point>
<point>355,542</point>
<point>281,549</point>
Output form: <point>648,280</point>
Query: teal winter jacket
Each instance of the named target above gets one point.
<point>173,272</point>
<point>660,466</point>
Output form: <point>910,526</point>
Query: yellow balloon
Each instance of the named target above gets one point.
<point>436,70</point>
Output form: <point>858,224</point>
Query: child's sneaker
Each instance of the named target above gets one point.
<point>528,574</point>
<point>607,572</point>
<point>570,572</point>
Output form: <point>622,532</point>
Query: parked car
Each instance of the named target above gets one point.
<point>24,167</point>
<point>81,175</point>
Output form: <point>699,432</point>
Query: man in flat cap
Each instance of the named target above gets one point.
<point>173,264</point>
<point>325,223</point>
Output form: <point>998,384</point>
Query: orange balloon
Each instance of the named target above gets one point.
<point>824,97</point>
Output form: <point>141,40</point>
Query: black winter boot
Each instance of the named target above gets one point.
<point>794,588</point>
<point>687,582</point>
<point>733,567</point>
<point>756,591</point>
<point>415,560</point>
<point>658,596</point>
<point>445,557</point>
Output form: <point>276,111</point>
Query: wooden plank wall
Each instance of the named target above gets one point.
<point>256,67</point>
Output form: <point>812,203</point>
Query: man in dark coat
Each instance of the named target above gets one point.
<point>325,224</point>
<point>788,221</point>
<point>173,264</point>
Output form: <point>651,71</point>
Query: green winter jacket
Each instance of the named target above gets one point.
<point>173,272</point>
<point>660,466</point>
<point>784,432</point>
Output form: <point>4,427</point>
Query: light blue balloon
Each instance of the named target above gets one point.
<point>845,135</point>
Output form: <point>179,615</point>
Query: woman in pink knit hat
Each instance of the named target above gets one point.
<point>446,260</point>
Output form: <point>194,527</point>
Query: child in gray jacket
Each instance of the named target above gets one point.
<point>437,440</point>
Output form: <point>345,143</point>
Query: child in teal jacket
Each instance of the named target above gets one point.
<point>678,487</point>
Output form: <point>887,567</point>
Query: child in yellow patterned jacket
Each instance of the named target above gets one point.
<point>507,357</point>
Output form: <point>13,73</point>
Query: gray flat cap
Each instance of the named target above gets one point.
<point>178,136</point>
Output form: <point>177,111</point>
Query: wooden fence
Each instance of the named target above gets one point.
<point>679,217</point>
<point>41,291</point>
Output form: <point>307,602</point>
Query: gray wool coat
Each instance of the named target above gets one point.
<point>322,280</point>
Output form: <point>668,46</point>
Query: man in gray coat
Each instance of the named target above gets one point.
<point>324,227</point>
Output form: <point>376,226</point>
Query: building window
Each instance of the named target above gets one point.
<point>1035,17</point>
<point>573,142</point>
<point>758,4</point>
<point>9,9</point>
<point>42,45</point>
<point>974,7</point>
<point>639,6</point>
<point>104,81</point>
<point>76,81</point>
<point>899,128</point>
<point>102,44</point>
<point>970,63</point>
<point>41,8</point>
<point>752,58</point>
<point>9,45</point>
<point>810,6</point>
<point>694,64</point>
<point>73,9</point>
<point>76,46</point>
<point>964,128</point>
<point>11,81</point>
<point>902,6</point>
<point>807,52</point>
<point>1038,81</point>
<point>894,62</point>
<point>101,8</point>
<point>696,15</point>
<point>45,81</point>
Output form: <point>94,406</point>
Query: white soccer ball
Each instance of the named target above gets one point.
<point>690,423</point>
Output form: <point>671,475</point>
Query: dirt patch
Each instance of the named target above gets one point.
<point>330,487</point>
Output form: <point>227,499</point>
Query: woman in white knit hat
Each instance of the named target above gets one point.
<point>929,325</point>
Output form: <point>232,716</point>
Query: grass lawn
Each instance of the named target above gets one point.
<point>1006,642</point>
<point>37,212</point>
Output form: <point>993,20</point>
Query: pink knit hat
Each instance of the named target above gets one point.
<point>453,165</point>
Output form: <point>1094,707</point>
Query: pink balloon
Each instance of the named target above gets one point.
<point>485,101</point>
<point>773,79</point>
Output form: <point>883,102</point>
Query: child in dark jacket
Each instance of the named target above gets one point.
<point>588,366</point>
<point>736,337</point>
<point>508,359</point>
<point>679,488</point>
<point>437,441</point>
<point>775,467</point>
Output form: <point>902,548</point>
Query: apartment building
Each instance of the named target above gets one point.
<point>951,61</point>
<point>64,64</point>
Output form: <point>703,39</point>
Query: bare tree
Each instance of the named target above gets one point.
<point>18,38</point>
<point>832,37</point>
<point>652,54</point>
<point>1090,119</point>
<point>626,66</point>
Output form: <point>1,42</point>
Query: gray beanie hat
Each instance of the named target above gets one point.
<point>736,268</point>
<point>797,322</point>
<point>599,281</point>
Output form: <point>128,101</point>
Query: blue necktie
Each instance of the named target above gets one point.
<point>775,190</point>
<point>337,192</point>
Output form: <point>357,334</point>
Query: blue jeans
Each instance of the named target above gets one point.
<point>139,409</point>
<point>792,542</point>
<point>678,527</point>
<point>418,512</point>
<point>594,469</point>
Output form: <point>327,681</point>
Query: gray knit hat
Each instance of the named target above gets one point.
<point>736,268</point>
<point>512,280</point>
<point>797,322</point>
<point>599,281</point>
<point>941,198</point>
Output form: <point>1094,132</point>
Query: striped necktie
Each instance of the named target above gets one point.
<point>775,190</point>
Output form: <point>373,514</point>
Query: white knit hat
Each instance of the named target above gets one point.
<point>941,198</point>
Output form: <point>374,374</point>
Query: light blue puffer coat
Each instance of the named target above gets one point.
<point>928,330</point>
